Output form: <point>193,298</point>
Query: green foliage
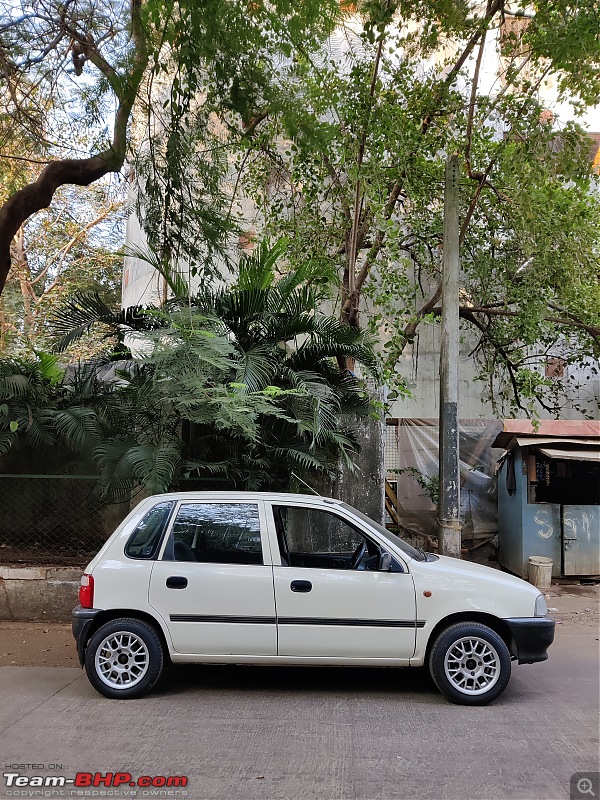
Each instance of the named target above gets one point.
<point>349,166</point>
<point>212,75</point>
<point>41,407</point>
<point>430,486</point>
<point>336,128</point>
<point>240,382</point>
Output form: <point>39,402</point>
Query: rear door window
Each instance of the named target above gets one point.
<point>223,533</point>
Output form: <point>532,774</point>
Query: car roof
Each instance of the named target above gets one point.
<point>231,495</point>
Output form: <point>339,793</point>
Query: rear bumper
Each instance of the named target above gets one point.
<point>532,636</point>
<point>82,619</point>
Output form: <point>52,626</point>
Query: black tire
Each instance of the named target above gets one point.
<point>124,658</point>
<point>470,664</point>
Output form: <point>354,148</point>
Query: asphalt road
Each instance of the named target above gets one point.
<point>240,733</point>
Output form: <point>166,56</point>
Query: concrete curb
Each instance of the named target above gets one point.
<point>38,594</point>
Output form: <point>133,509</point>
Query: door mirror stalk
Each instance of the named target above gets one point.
<point>385,563</point>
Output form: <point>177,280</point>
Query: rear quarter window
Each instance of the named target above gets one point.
<point>145,539</point>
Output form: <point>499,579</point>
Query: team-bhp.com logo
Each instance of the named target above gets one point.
<point>89,780</point>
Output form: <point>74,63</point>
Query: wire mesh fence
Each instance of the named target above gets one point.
<point>54,519</point>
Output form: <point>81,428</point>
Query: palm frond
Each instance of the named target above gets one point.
<point>299,459</point>
<point>7,440</point>
<point>83,311</point>
<point>175,280</point>
<point>257,367</point>
<point>77,427</point>
<point>257,271</point>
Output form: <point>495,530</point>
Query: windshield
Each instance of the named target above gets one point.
<point>388,535</point>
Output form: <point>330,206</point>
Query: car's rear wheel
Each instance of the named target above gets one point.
<point>124,658</point>
<point>470,664</point>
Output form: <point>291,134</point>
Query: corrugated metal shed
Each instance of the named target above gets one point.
<point>549,495</point>
<point>549,429</point>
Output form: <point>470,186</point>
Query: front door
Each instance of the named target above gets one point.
<point>214,583</point>
<point>332,600</point>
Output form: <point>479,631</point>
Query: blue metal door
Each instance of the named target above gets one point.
<point>581,540</point>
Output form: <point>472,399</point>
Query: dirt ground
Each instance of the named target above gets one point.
<point>38,644</point>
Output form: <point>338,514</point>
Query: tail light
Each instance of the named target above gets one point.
<point>86,591</point>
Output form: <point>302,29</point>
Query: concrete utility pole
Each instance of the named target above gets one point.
<point>449,503</point>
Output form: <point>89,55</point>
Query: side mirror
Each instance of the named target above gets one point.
<point>385,563</point>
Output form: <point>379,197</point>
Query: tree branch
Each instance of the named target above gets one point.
<point>505,312</point>
<point>510,366</point>
<point>352,245</point>
<point>64,251</point>
<point>335,178</point>
<point>79,172</point>
<point>472,101</point>
<point>352,298</point>
<point>492,9</point>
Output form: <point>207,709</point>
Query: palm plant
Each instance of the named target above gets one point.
<point>239,381</point>
<point>46,410</point>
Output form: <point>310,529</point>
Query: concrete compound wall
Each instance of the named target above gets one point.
<point>38,594</point>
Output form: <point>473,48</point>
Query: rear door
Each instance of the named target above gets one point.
<point>214,583</point>
<point>332,600</point>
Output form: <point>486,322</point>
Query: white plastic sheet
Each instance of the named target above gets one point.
<point>415,443</point>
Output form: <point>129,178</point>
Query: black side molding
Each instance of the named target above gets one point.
<point>352,623</point>
<point>335,621</point>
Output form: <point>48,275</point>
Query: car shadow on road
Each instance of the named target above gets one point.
<point>233,677</point>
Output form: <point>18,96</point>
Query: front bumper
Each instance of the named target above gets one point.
<point>82,619</point>
<point>532,636</point>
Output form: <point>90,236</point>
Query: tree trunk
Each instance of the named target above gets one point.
<point>38,195</point>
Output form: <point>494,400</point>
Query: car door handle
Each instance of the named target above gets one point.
<point>176,582</point>
<point>300,586</point>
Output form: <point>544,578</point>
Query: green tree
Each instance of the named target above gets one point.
<point>348,162</point>
<point>343,149</point>
<point>240,382</point>
<point>72,246</point>
<point>74,72</point>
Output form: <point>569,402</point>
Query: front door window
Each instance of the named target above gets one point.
<point>309,537</point>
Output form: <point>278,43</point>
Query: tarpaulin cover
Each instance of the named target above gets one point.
<point>417,446</point>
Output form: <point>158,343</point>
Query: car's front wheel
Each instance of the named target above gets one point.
<point>470,663</point>
<point>124,658</point>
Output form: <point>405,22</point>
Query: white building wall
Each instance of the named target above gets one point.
<point>420,367</point>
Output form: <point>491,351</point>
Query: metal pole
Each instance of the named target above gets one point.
<point>449,502</point>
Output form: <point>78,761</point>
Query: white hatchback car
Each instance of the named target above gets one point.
<point>266,578</point>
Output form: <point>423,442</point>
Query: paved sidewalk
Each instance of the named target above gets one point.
<point>245,733</point>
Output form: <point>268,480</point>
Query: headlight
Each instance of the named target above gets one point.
<point>541,607</point>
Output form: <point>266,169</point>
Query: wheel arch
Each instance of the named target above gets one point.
<point>119,613</point>
<point>495,623</point>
